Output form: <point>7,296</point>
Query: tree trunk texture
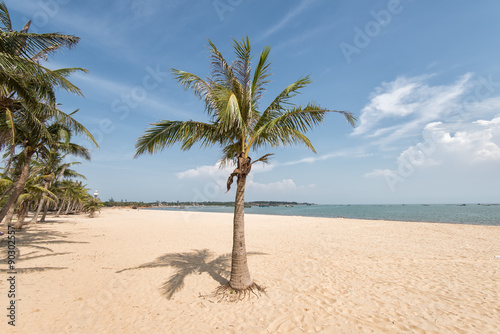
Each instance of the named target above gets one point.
<point>23,212</point>
<point>40,205</point>
<point>60,208</point>
<point>240,275</point>
<point>45,209</point>
<point>10,215</point>
<point>18,188</point>
<point>68,207</point>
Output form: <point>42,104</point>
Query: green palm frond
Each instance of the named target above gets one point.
<point>69,173</point>
<point>5,17</point>
<point>198,86</point>
<point>27,45</point>
<point>229,115</point>
<point>58,78</point>
<point>264,159</point>
<point>242,81</point>
<point>75,150</point>
<point>187,133</point>
<point>261,75</point>
<point>282,101</point>
<point>222,72</point>
<point>300,118</point>
<point>241,66</point>
<point>231,96</point>
<point>5,182</point>
<point>289,127</point>
<point>73,125</point>
<point>26,27</point>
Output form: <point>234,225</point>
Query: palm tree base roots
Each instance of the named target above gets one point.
<point>225,293</point>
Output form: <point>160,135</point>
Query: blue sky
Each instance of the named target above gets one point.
<point>422,77</point>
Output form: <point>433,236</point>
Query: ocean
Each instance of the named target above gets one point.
<point>475,214</point>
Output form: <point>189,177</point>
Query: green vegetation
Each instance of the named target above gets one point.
<point>92,205</point>
<point>112,203</point>
<point>35,135</point>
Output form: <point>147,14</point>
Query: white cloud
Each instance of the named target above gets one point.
<point>205,171</point>
<point>220,176</point>
<point>470,143</point>
<point>402,107</point>
<point>216,172</point>
<point>102,85</point>
<point>281,186</point>
<point>352,153</point>
<point>288,17</point>
<point>452,146</point>
<point>379,173</point>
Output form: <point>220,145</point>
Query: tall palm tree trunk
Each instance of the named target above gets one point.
<point>23,212</point>
<point>68,207</point>
<point>240,275</point>
<point>10,215</point>
<point>61,207</point>
<point>40,205</point>
<point>44,215</point>
<point>18,188</point>
<point>37,212</point>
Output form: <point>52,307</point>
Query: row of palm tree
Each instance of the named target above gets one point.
<point>35,134</point>
<point>43,192</point>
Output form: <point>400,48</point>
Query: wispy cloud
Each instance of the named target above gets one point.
<point>304,4</point>
<point>219,177</point>
<point>354,153</point>
<point>279,187</point>
<point>106,88</point>
<point>402,107</point>
<point>213,171</point>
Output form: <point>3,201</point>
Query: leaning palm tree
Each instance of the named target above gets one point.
<point>33,190</point>
<point>37,132</point>
<point>54,168</point>
<point>238,126</point>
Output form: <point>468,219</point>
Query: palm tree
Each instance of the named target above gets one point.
<point>36,133</point>
<point>237,125</point>
<point>27,98</point>
<point>72,196</point>
<point>21,73</point>
<point>92,205</point>
<point>33,190</point>
<point>54,169</point>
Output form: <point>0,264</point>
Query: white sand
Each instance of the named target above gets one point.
<point>322,275</point>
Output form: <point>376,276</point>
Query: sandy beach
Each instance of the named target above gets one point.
<point>144,271</point>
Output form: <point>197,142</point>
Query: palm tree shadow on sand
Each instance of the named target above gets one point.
<point>195,262</point>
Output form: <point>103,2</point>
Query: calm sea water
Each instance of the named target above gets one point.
<point>457,214</point>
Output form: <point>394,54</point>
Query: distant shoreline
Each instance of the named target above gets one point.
<point>484,214</point>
